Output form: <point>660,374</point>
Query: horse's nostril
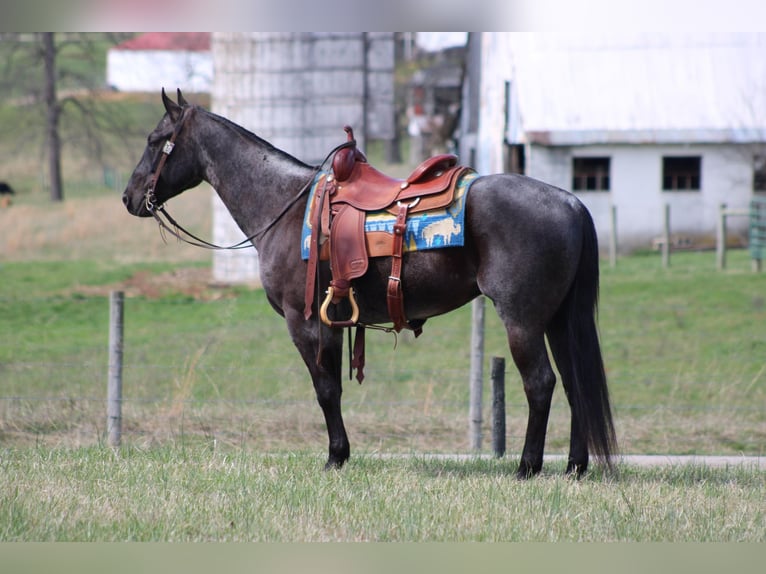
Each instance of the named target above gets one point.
<point>125,200</point>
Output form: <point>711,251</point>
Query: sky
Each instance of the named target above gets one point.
<point>433,41</point>
<point>391,15</point>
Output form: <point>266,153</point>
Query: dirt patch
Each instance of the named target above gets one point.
<point>196,282</point>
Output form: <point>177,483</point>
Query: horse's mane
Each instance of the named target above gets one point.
<point>247,134</point>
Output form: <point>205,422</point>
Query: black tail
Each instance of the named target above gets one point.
<point>582,352</point>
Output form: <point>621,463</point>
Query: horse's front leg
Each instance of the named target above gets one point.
<point>325,368</point>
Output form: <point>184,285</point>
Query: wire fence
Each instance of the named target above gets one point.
<point>417,419</point>
<point>192,384</point>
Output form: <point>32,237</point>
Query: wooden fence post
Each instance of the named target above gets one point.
<point>497,374</point>
<point>613,236</point>
<point>477,373</point>
<point>666,238</point>
<point>114,384</point>
<point>720,243</point>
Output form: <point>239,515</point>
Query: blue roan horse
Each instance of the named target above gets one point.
<point>531,248</point>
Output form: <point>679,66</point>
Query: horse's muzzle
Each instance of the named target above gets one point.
<point>134,206</point>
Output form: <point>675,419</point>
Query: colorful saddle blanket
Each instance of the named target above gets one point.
<point>425,230</point>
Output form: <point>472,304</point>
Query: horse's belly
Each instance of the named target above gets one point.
<point>433,282</point>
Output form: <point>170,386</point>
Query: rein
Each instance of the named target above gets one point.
<point>179,232</point>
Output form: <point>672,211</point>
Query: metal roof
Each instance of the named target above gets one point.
<point>172,41</point>
<point>641,87</point>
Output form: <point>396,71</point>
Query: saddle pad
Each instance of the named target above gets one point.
<point>427,230</point>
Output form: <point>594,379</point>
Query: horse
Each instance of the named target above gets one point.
<point>531,248</point>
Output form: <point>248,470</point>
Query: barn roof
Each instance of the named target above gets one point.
<point>171,41</point>
<point>642,87</point>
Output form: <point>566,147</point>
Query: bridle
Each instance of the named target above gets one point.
<point>178,231</point>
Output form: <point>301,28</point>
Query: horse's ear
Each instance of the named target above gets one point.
<point>172,108</point>
<point>181,100</point>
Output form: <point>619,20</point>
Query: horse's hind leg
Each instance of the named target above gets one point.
<point>578,442</point>
<point>531,358</point>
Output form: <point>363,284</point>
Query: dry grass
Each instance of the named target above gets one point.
<point>99,228</point>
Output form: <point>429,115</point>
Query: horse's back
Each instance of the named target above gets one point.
<point>524,209</point>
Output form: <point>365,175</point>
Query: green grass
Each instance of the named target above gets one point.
<point>684,351</point>
<point>202,494</point>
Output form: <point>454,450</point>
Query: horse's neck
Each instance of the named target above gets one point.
<point>254,180</point>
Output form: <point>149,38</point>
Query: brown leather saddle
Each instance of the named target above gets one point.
<point>341,202</point>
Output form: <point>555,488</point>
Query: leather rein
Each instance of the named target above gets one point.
<point>179,232</point>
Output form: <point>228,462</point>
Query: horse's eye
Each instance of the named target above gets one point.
<point>156,138</point>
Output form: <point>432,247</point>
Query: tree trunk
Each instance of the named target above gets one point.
<point>52,118</point>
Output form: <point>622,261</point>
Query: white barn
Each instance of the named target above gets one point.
<point>154,60</point>
<point>632,120</point>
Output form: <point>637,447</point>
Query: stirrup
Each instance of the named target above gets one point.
<point>354,310</point>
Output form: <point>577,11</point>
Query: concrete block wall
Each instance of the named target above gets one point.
<point>298,90</point>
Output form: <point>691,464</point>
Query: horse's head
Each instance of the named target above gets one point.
<point>161,174</point>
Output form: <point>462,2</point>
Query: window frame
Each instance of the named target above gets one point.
<point>759,173</point>
<point>581,174</point>
<point>683,178</point>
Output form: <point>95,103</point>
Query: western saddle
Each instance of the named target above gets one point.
<point>341,202</point>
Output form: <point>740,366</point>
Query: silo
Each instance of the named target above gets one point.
<point>297,90</point>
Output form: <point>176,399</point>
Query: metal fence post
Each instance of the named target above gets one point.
<point>477,373</point>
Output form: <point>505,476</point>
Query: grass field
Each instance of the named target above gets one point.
<point>684,349</point>
<point>223,439</point>
<point>200,494</point>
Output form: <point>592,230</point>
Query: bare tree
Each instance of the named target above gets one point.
<point>32,74</point>
<point>53,109</point>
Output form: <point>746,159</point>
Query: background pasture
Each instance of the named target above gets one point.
<point>684,349</point>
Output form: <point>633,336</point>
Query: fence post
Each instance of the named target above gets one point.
<point>114,384</point>
<point>497,374</point>
<point>477,373</point>
<point>720,243</point>
<point>666,238</point>
<point>757,233</point>
<point>613,237</point>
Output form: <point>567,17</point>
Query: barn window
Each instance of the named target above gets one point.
<point>759,173</point>
<point>681,173</point>
<point>590,173</point>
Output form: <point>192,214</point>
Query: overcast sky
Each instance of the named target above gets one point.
<point>433,41</point>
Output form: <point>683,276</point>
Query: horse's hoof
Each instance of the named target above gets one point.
<point>333,464</point>
<point>576,470</point>
<point>527,470</point>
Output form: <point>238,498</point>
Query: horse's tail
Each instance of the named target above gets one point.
<point>580,352</point>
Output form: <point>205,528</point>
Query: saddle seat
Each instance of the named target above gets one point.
<point>340,204</point>
<point>368,189</point>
